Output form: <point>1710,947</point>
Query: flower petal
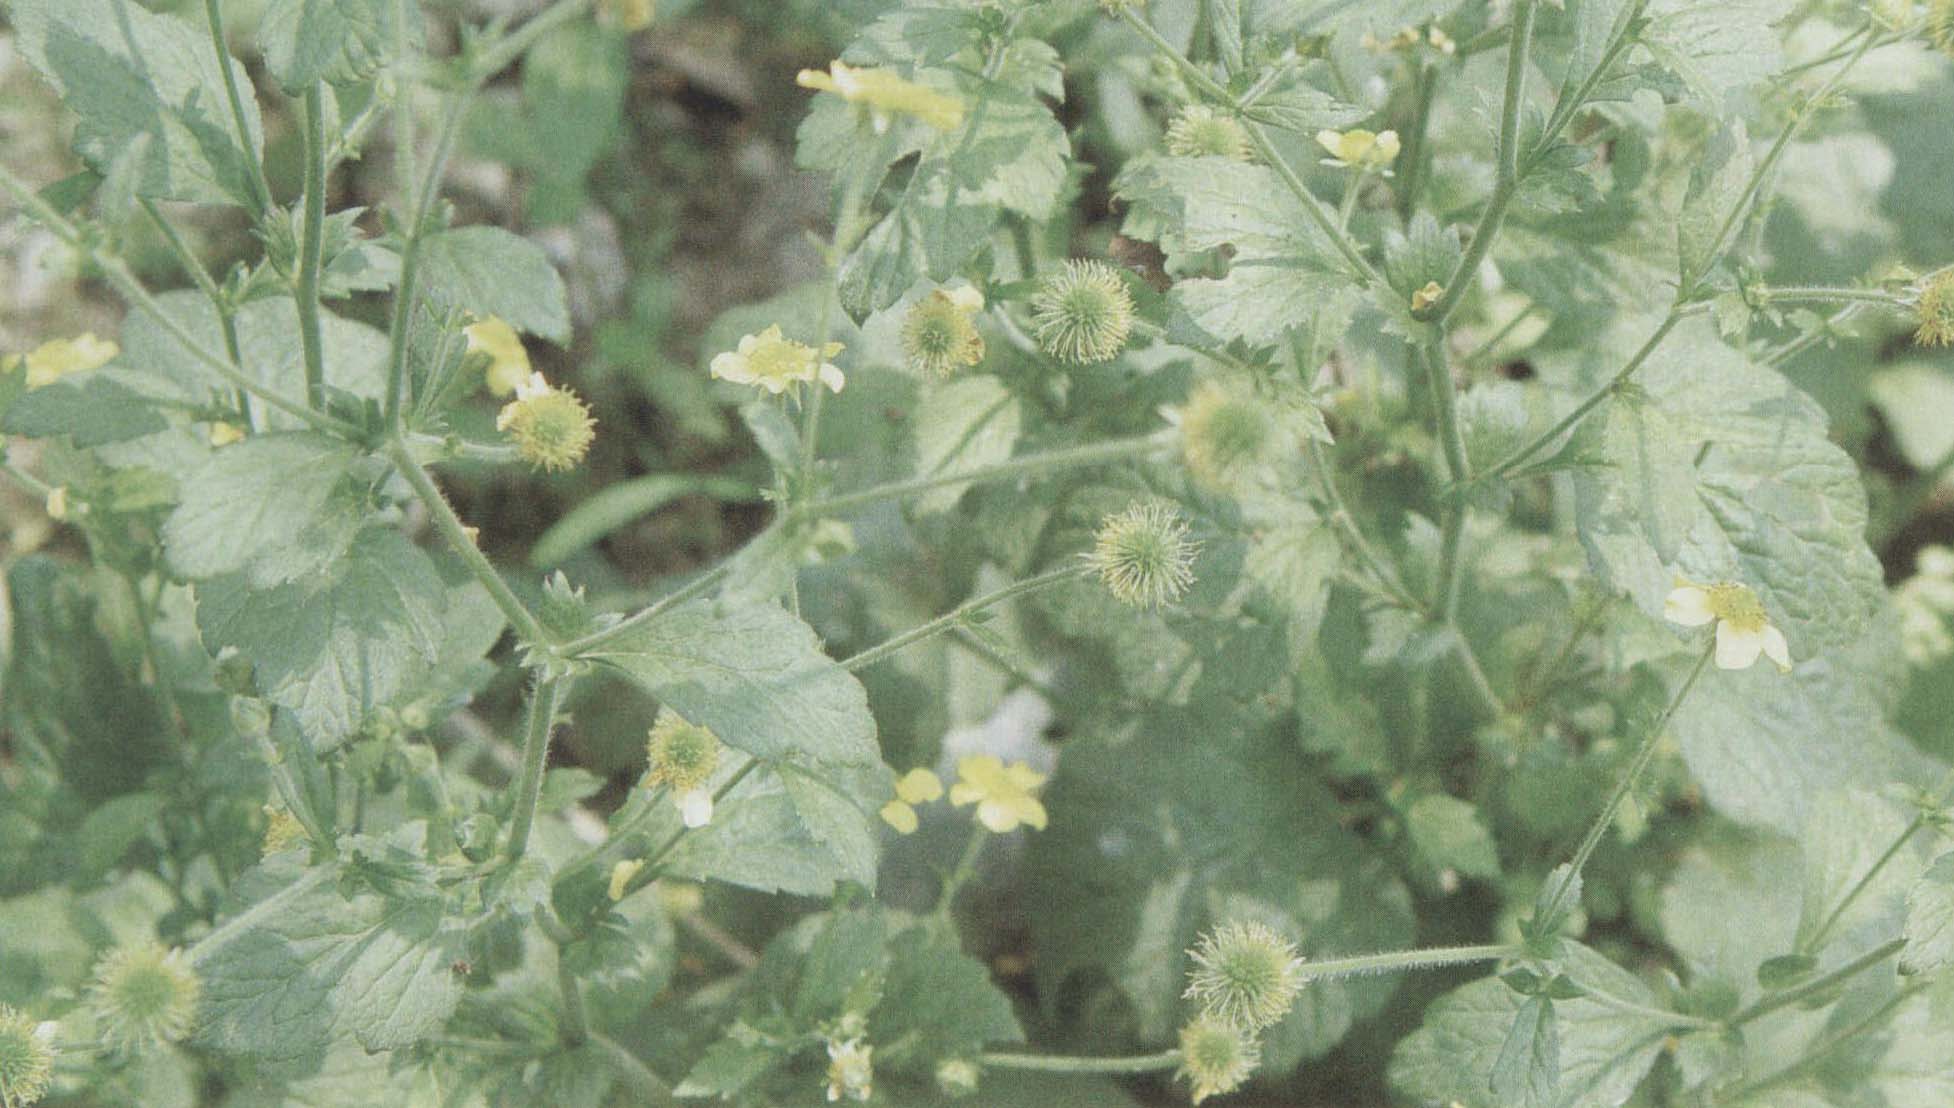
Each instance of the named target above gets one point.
<point>997,816</point>
<point>962,794</point>
<point>831,377</point>
<point>1737,649</point>
<point>919,786</point>
<point>1688,605</point>
<point>899,816</point>
<point>1775,648</point>
<point>696,808</point>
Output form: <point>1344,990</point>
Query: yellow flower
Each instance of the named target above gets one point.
<point>621,875</point>
<point>508,365</point>
<point>51,361</point>
<point>1424,298</point>
<point>224,434</point>
<point>1003,794</point>
<point>683,757</point>
<point>283,831</point>
<point>773,362</point>
<point>918,786</point>
<point>1359,149</point>
<point>885,95</point>
<point>1743,630</point>
<point>851,1072</point>
<point>57,503</point>
<point>552,428</point>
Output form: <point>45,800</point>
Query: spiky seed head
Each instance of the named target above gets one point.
<point>1199,131</point>
<point>1216,1058</point>
<point>939,334</point>
<point>1143,555</point>
<point>1940,26</point>
<point>551,427</point>
<point>957,1077</point>
<point>1936,304</point>
<point>683,755</point>
<point>144,995</point>
<point>1083,313</point>
<point>1225,433</point>
<point>26,1057</point>
<point>1245,975</point>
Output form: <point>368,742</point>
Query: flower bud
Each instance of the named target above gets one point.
<point>957,1077</point>
<point>1245,975</point>
<point>283,831</point>
<point>1143,555</point>
<point>1940,25</point>
<point>26,1057</point>
<point>1083,313</point>
<point>1216,1058</point>
<point>851,1071</point>
<point>143,996</point>
<point>626,15</point>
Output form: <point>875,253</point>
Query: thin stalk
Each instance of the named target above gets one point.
<point>1815,294</point>
<point>1913,827</point>
<point>288,791</point>
<point>1619,40</point>
<point>1072,457</point>
<point>1392,961</point>
<point>1445,401</point>
<point>1675,1019</point>
<point>946,897</point>
<point>1412,180</point>
<point>1817,1053</point>
<point>1313,208</point>
<point>964,611</point>
<point>698,586</point>
<point>1485,349</point>
<point>1551,914</point>
<point>1482,686</point>
<point>1062,1063</point>
<point>544,701</point>
<point>260,187</point>
<point>1346,525</point>
<point>1819,984</point>
<point>410,255</point>
<point>312,248</point>
<point>403,108</point>
<point>456,533</point>
<point>118,274</point>
<point>1508,157</point>
<point>650,871</point>
<point>186,258</point>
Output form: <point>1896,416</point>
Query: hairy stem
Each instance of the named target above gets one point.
<point>1062,1063</point>
<point>453,530</point>
<point>497,55</point>
<point>1100,453</point>
<point>1818,985</point>
<point>1819,1051</point>
<point>1346,526</point>
<point>963,612</point>
<point>260,188</point>
<point>1445,401</point>
<point>312,246</point>
<point>544,702</point>
<point>1393,960</point>
<point>698,586</point>
<point>576,1020</point>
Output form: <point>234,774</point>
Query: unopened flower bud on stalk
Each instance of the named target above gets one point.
<point>1245,974</point>
<point>1935,308</point>
<point>26,1057</point>
<point>1199,131</point>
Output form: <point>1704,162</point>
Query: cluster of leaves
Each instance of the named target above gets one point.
<point>1380,635</point>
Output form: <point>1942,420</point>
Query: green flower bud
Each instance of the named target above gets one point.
<point>143,996</point>
<point>1143,555</point>
<point>939,333</point>
<point>1216,1058</point>
<point>1084,313</point>
<point>1245,975</point>
<point>1225,433</point>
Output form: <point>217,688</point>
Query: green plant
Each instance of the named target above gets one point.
<point>1371,528</point>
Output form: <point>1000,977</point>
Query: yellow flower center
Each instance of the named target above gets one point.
<point>1737,606</point>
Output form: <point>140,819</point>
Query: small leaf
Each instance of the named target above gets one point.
<point>1448,832</point>
<point>332,40</point>
<point>1930,920</point>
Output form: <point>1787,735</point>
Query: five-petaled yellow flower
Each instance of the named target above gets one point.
<point>1003,794</point>
<point>774,362</point>
<point>1743,629</point>
<point>918,786</point>
<point>55,359</point>
<point>885,95</point>
<point>1359,149</point>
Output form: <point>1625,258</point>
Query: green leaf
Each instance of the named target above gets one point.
<point>1930,920</point>
<point>940,1000</point>
<point>305,969</point>
<point>273,507</point>
<point>489,271</point>
<point>334,647</point>
<point>1915,397</point>
<point>330,40</point>
<point>268,348</point>
<point>1527,1071</point>
<point>1716,188</point>
<point>1847,833</point>
<point>109,831</point>
<point>1448,832</point>
<point>619,505</point>
<point>1603,1052</point>
<point>756,676</point>
<point>967,424</point>
<point>1732,904</point>
<point>931,232</point>
<point>129,76</point>
<point>573,86</point>
<point>106,405</point>
<point>787,830</point>
<point>1716,50</point>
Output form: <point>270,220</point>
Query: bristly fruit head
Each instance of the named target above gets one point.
<point>26,1057</point>
<point>1225,433</point>
<point>1143,555</point>
<point>1936,304</point>
<point>551,427</point>
<point>1199,131</point>
<point>682,754</point>
<point>1083,313</point>
<point>1940,26</point>
<point>1216,1058</point>
<point>143,996</point>
<point>939,333</point>
<point>1245,975</point>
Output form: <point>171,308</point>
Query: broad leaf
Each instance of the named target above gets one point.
<point>967,424</point>
<point>273,507</point>
<point>332,40</point>
<point>489,271</point>
<point>1930,920</point>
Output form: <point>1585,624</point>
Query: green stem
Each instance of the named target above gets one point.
<point>1062,1063</point>
<point>946,898</point>
<point>312,247</point>
<point>1675,1019</point>
<point>1482,686</point>
<point>698,586</point>
<point>1815,1054</point>
<point>117,273</point>
<point>649,873</point>
<point>1346,525</point>
<point>650,1086</point>
<point>1508,181</point>
<point>1819,984</point>
<point>289,791</point>
<point>576,1021</point>
<point>453,530</point>
<point>544,701</point>
<point>1313,209</point>
<point>260,187</point>
<point>1817,939</point>
<point>1394,960</point>
<point>1619,40</point>
<point>186,258</point>
<point>963,612</point>
<point>1815,294</point>
<point>497,55</point>
<point>1100,453</point>
<point>410,254</point>
<point>1445,401</point>
<point>1412,180</point>
<point>1554,903</point>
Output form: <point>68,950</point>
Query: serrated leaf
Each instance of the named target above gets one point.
<point>789,831</point>
<point>269,349</point>
<point>1847,832</point>
<point>756,676</point>
<point>490,271</point>
<point>334,647</point>
<point>1930,920</point>
<point>1717,185</point>
<point>129,75</point>
<point>331,40</point>
<point>273,508</point>
<point>942,997</point>
<point>1526,1073</point>
<point>1716,50</point>
<point>105,405</point>
<point>313,970</point>
<point>967,424</point>
<point>1448,832</point>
